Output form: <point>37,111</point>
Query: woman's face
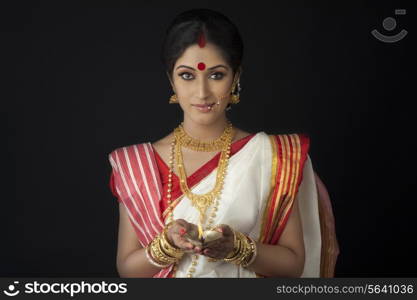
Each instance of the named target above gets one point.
<point>201,78</point>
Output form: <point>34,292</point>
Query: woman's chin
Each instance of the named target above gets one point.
<point>204,119</point>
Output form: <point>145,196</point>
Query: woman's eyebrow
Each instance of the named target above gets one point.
<point>211,68</point>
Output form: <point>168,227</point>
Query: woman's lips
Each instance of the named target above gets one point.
<point>204,107</point>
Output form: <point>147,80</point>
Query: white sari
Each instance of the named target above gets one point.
<point>263,180</point>
<point>242,204</point>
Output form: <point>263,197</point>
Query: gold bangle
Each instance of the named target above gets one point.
<point>237,250</point>
<point>158,254</point>
<point>235,254</point>
<point>247,252</point>
<point>236,246</point>
<point>232,254</point>
<point>243,252</point>
<point>169,249</point>
<point>152,260</point>
<point>163,256</point>
<point>244,249</point>
<point>254,253</point>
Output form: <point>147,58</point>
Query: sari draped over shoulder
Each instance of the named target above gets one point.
<point>265,175</point>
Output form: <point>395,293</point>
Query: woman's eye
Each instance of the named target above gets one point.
<point>186,76</point>
<point>217,75</point>
<point>189,76</point>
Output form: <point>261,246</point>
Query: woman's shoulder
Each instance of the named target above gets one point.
<point>300,136</point>
<point>131,149</point>
<point>164,142</point>
<point>162,147</point>
<point>292,143</point>
<point>240,134</point>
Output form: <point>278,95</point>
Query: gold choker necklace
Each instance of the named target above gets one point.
<point>189,142</point>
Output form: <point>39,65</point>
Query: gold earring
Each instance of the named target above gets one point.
<point>173,99</point>
<point>235,98</point>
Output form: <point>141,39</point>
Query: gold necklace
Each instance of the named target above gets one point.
<point>170,216</point>
<point>201,202</point>
<point>185,140</point>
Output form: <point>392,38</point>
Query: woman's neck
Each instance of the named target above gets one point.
<point>205,132</point>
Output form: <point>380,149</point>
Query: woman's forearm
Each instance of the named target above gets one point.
<point>277,261</point>
<point>136,265</point>
<point>271,261</point>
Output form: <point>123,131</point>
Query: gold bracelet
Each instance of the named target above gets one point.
<point>236,249</point>
<point>244,250</point>
<point>245,247</point>
<point>248,252</point>
<point>233,253</point>
<point>254,253</point>
<point>161,255</point>
<point>169,249</point>
<point>157,253</point>
<point>152,260</point>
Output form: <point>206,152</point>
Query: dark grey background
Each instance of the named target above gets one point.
<point>83,79</point>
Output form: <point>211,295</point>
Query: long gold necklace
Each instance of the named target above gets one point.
<point>194,144</point>
<point>202,201</point>
<point>223,160</point>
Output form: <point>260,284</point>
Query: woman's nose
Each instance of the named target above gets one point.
<point>203,89</point>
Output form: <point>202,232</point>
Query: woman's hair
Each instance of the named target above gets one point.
<point>185,31</point>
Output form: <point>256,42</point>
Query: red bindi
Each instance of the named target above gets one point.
<point>201,40</point>
<point>201,66</point>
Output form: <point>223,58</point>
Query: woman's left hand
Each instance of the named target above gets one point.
<point>221,247</point>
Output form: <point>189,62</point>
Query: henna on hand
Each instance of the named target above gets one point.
<point>220,248</point>
<point>178,235</point>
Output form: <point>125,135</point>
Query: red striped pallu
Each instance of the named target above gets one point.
<point>289,157</point>
<point>138,187</point>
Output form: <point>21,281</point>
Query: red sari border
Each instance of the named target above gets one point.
<point>289,153</point>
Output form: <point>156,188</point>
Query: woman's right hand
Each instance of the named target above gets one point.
<point>177,232</point>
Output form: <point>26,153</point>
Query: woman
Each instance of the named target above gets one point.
<point>209,199</point>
